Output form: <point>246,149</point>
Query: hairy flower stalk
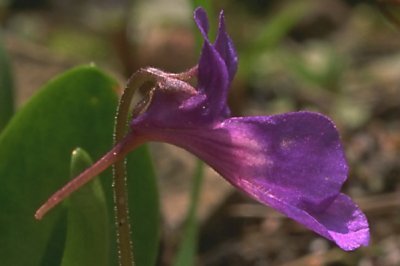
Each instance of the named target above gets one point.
<point>292,162</point>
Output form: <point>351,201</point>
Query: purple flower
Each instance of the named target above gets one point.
<point>292,162</point>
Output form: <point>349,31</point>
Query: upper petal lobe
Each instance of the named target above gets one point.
<point>225,48</point>
<point>217,65</point>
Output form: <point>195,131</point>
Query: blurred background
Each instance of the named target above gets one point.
<point>338,57</point>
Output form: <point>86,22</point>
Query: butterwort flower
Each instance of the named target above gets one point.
<point>292,162</point>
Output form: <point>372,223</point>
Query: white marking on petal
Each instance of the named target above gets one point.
<point>286,144</point>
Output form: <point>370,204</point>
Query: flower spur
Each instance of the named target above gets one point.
<point>292,162</point>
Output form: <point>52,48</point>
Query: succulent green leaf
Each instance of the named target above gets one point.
<point>75,109</point>
<point>87,239</point>
<point>143,207</point>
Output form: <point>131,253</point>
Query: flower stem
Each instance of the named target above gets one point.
<point>138,79</point>
<point>122,221</point>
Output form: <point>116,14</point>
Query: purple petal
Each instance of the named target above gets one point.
<point>342,221</point>
<point>292,162</point>
<point>295,163</point>
<point>213,79</point>
<point>345,222</point>
<point>200,17</point>
<point>224,46</point>
<point>214,73</point>
<point>298,155</point>
<point>223,43</point>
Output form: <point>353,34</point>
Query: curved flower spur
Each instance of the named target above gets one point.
<point>292,162</point>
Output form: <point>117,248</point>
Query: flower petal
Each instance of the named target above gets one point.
<point>225,48</point>
<point>345,222</point>
<point>213,76</point>
<point>297,155</point>
<point>342,221</point>
<point>200,17</point>
<point>223,43</point>
<point>293,162</point>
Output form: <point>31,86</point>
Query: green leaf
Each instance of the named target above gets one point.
<point>188,248</point>
<point>6,88</point>
<point>74,110</point>
<point>87,240</point>
<point>143,207</point>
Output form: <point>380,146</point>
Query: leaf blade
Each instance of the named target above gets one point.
<point>144,209</point>
<point>87,239</point>
<point>75,109</point>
